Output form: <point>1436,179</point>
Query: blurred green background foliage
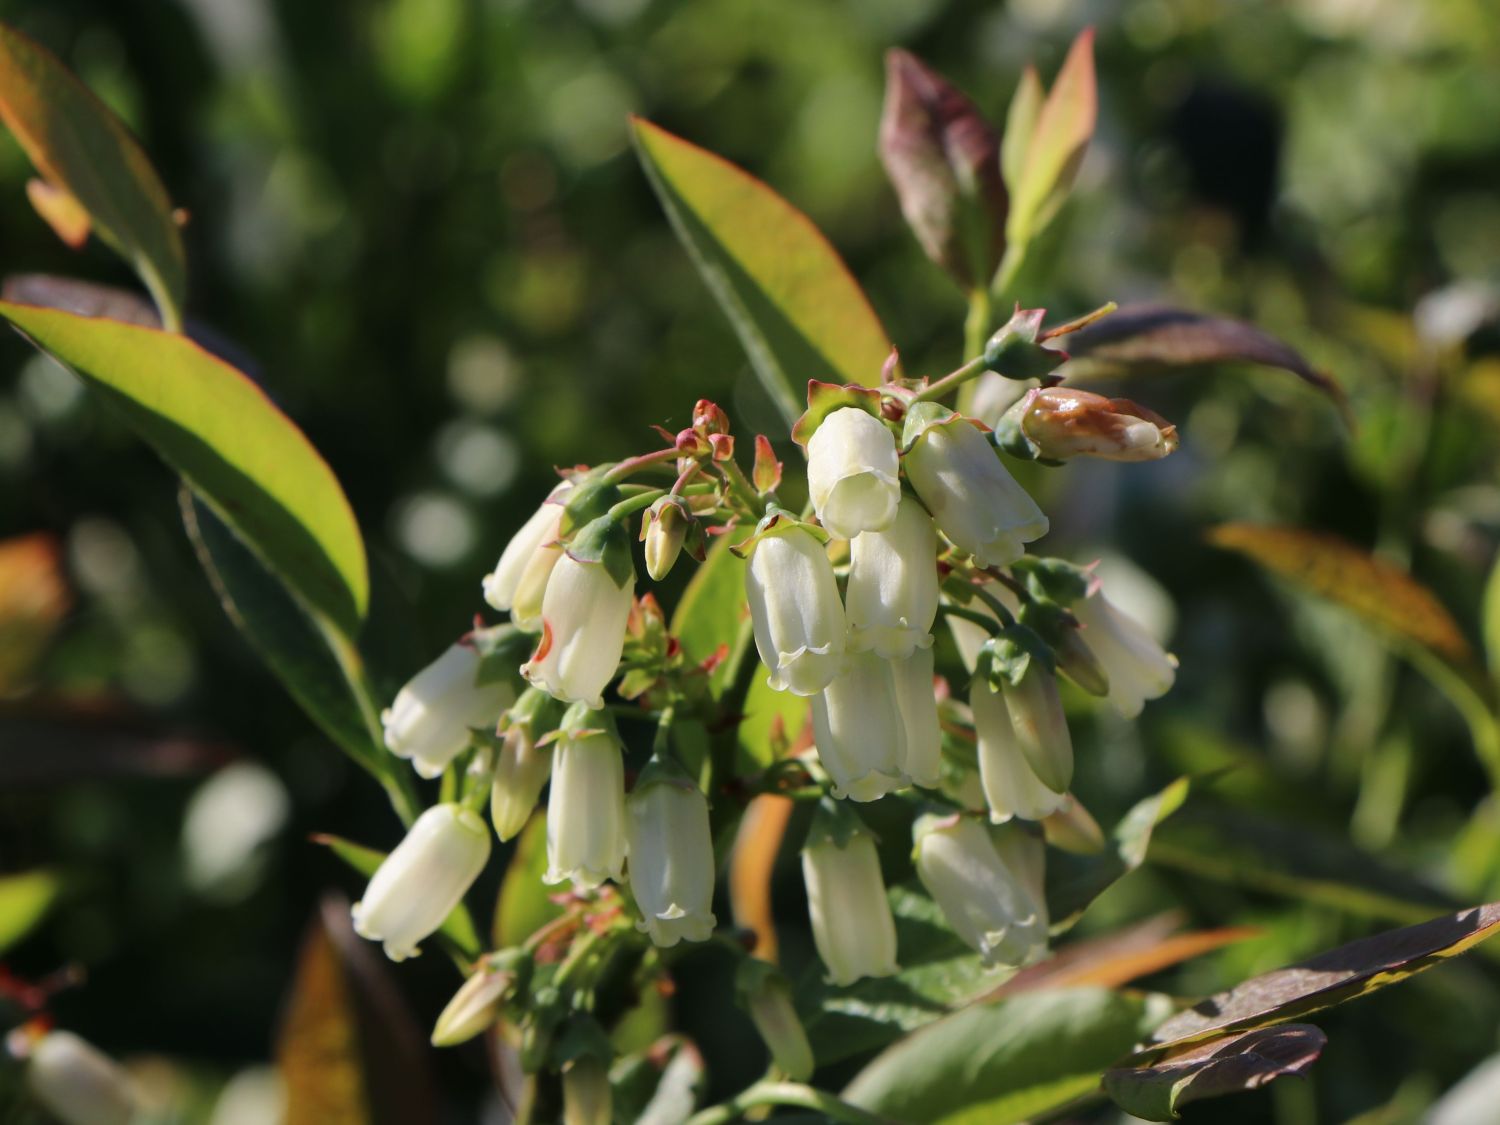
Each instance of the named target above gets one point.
<point>420,224</point>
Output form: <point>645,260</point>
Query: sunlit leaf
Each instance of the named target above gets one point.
<point>34,598</point>
<point>81,148</point>
<point>712,610</point>
<point>1223,1066</point>
<point>348,1050</point>
<point>1154,337</point>
<point>1340,975</point>
<point>24,902</point>
<point>60,211</point>
<point>240,453</point>
<point>798,312</point>
<point>1381,593</point>
<point>1020,123</point>
<point>1491,621</point>
<point>1004,1062</point>
<point>756,845</point>
<point>525,903</point>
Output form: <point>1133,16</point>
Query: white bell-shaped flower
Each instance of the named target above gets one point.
<point>852,473</point>
<point>1011,786</point>
<point>417,886</point>
<point>988,905</point>
<point>587,1096</point>
<point>851,918</point>
<point>586,839</point>
<point>916,700</point>
<point>78,1084</point>
<point>1137,666</point>
<point>430,719</point>
<point>971,637</point>
<point>671,857</point>
<point>583,631</point>
<point>893,585</point>
<point>858,729</point>
<point>520,577</point>
<point>521,771</point>
<point>1041,728</point>
<point>973,498</point>
<point>795,610</point>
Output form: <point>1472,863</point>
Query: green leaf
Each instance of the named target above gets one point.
<point>1490,618</point>
<point>1004,1062</point>
<point>712,610</point>
<point>82,149</point>
<point>1020,123</point>
<point>763,709</point>
<point>24,902</point>
<point>239,452</point>
<point>458,927</point>
<point>798,312</point>
<point>524,905</point>
<point>1224,1066</point>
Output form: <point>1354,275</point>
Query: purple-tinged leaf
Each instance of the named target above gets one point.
<point>943,159</point>
<point>1223,1066</point>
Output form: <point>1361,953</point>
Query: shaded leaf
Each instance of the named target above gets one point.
<point>81,149</point>
<point>53,744</point>
<point>1490,620</point>
<point>24,902</point>
<point>348,1050</point>
<point>1224,1066</point>
<point>943,158</point>
<point>525,903</point>
<point>1330,978</point>
<point>85,298</point>
<point>237,450</point>
<point>1382,594</point>
<point>1004,1062</point>
<point>1144,337</point>
<point>660,1085</point>
<point>798,312</point>
<point>34,598</point>
<point>756,846</point>
<point>712,610</point>
<point>60,211</point>
<point>1075,881</point>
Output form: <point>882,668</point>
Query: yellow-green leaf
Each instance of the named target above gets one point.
<point>797,310</point>
<point>712,610</point>
<point>83,150</point>
<point>24,902</point>
<point>236,450</point>
<point>1020,122</point>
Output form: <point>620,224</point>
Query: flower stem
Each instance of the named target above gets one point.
<point>785,1093</point>
<point>952,381</point>
<point>630,465</point>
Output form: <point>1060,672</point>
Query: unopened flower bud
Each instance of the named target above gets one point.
<point>858,729</point>
<point>795,610</point>
<point>417,886</point>
<point>852,473</point>
<point>709,418</point>
<point>665,529</point>
<point>893,584</point>
<point>851,917</point>
<point>584,614</point>
<point>522,767</point>
<point>586,840</point>
<point>1137,666</point>
<point>587,1098</point>
<point>1011,786</point>
<point>975,502</point>
<point>1041,728</point>
<point>989,905</point>
<point>916,700</point>
<point>77,1083</point>
<point>430,719</point>
<point>520,577</point>
<point>475,1006</point>
<point>671,856</point>
<point>768,998</point>
<point>1063,422</point>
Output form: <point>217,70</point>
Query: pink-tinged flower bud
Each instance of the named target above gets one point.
<point>858,729</point>
<point>430,720</point>
<point>666,527</point>
<point>1063,422</point>
<point>583,629</point>
<point>916,700</point>
<point>893,585</point>
<point>474,1007</point>
<point>1137,667</point>
<point>795,610</point>
<point>853,473</point>
<point>851,917</point>
<point>671,857</point>
<point>1011,786</point>
<point>1041,728</point>
<point>78,1084</point>
<point>523,767</point>
<point>769,1001</point>
<point>975,502</point>
<point>417,886</point>
<point>989,905</point>
<point>586,839</point>
<point>520,577</point>
<point>587,1098</point>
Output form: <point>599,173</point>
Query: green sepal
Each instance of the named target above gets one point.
<point>1009,438</point>
<point>587,501</point>
<point>1014,351</point>
<point>1057,627</point>
<point>502,650</point>
<point>1007,656</point>
<point>835,822</point>
<point>664,769</point>
<point>536,711</point>
<point>580,721</point>
<point>606,541</point>
<point>824,398</point>
<point>921,417</point>
<point>1054,579</point>
<point>755,976</point>
<point>778,521</point>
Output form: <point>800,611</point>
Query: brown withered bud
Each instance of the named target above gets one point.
<point>943,159</point>
<point>1062,422</point>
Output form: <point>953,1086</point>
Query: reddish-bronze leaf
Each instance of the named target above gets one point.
<point>33,599</point>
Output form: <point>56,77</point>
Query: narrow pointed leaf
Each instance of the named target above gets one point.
<point>1020,123</point>
<point>751,864</point>
<point>25,899</point>
<point>237,451</point>
<point>798,312</point>
<point>1057,143</point>
<point>61,211</point>
<point>81,148</point>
